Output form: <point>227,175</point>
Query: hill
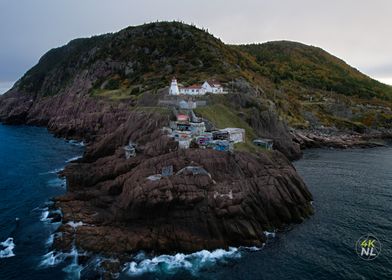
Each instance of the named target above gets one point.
<point>304,85</point>
<point>315,68</point>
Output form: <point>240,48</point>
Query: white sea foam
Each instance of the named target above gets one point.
<point>54,171</point>
<point>49,242</point>
<point>52,258</point>
<point>75,224</point>
<point>270,234</point>
<point>45,215</point>
<point>57,182</point>
<point>74,268</point>
<point>73,158</point>
<point>9,246</point>
<point>76,143</point>
<point>253,248</point>
<point>171,263</point>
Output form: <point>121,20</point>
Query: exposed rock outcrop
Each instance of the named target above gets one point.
<point>111,206</point>
<point>340,139</point>
<point>241,196</point>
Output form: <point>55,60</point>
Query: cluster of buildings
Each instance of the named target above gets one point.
<point>187,130</point>
<point>210,86</point>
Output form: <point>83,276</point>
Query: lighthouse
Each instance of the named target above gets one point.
<point>174,87</point>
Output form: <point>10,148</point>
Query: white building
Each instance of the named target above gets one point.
<point>236,135</point>
<point>210,86</point>
<point>193,90</point>
<point>174,87</point>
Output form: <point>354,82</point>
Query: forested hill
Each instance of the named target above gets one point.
<point>314,67</point>
<point>305,85</point>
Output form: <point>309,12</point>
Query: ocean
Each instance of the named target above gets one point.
<point>29,160</point>
<point>352,192</point>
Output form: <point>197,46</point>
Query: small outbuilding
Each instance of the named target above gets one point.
<point>197,128</point>
<point>264,143</point>
<point>130,150</point>
<point>220,135</point>
<point>220,145</point>
<point>236,135</point>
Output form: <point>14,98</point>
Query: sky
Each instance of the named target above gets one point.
<point>357,31</point>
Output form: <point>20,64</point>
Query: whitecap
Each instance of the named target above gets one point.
<point>9,246</point>
<point>270,234</point>
<point>253,248</point>
<point>73,159</point>
<point>50,240</point>
<point>74,269</point>
<point>171,263</point>
<point>54,171</point>
<point>76,143</point>
<point>75,225</point>
<point>52,258</point>
<point>45,215</point>
<point>57,182</point>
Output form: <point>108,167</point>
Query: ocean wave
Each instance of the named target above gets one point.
<point>52,258</point>
<point>45,215</point>
<point>54,171</point>
<point>271,234</point>
<point>8,246</point>
<point>76,143</point>
<point>74,225</point>
<point>48,216</point>
<point>141,263</point>
<point>169,264</point>
<point>73,159</point>
<point>73,269</point>
<point>57,182</point>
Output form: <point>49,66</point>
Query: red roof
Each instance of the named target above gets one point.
<point>182,117</point>
<point>192,87</point>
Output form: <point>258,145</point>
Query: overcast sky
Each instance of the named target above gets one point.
<point>358,31</point>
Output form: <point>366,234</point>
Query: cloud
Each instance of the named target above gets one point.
<point>356,31</point>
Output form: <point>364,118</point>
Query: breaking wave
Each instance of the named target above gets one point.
<point>73,159</point>
<point>45,215</point>
<point>74,225</point>
<point>57,182</point>
<point>170,264</point>
<point>76,143</point>
<point>8,246</point>
<point>54,171</point>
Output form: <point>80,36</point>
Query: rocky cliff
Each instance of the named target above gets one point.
<point>212,199</point>
<point>105,90</point>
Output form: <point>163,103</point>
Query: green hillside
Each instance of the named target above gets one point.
<point>305,85</point>
<point>315,68</point>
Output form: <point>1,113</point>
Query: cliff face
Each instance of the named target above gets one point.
<point>230,203</point>
<point>114,206</point>
<point>66,115</point>
<point>212,199</point>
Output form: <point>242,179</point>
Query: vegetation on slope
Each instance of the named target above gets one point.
<point>315,68</point>
<point>305,85</point>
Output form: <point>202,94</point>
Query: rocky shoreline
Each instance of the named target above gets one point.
<point>332,138</point>
<point>112,207</point>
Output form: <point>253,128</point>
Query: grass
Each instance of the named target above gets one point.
<point>115,94</point>
<point>165,111</point>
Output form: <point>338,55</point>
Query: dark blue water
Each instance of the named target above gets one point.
<point>29,157</point>
<point>352,196</point>
<point>352,192</point>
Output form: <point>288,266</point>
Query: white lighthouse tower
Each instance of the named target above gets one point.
<point>174,87</point>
